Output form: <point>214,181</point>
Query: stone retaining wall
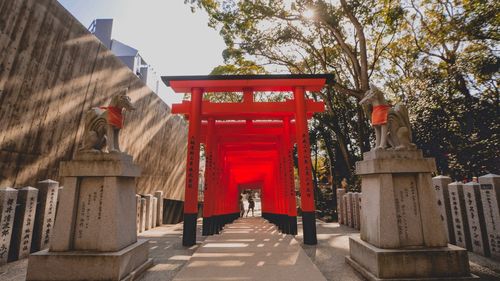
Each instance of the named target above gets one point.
<point>52,70</point>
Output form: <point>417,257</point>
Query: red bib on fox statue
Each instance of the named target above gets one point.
<point>115,116</point>
<point>379,114</point>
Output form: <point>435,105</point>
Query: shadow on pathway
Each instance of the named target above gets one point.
<point>250,249</point>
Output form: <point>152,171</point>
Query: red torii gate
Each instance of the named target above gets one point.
<point>248,151</point>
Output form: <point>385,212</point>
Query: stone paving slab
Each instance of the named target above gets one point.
<point>169,256</point>
<point>329,254</point>
<point>250,249</point>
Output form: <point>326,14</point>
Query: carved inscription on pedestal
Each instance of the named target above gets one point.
<point>89,213</point>
<point>407,211</point>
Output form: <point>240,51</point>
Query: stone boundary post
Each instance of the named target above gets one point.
<point>159,210</point>
<point>23,223</point>
<point>440,184</point>
<point>45,214</point>
<point>490,198</point>
<point>475,217</point>
<point>8,201</point>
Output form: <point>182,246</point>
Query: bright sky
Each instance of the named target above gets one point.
<point>169,37</point>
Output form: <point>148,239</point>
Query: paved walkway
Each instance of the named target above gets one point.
<point>165,247</point>
<point>170,257</point>
<point>250,249</point>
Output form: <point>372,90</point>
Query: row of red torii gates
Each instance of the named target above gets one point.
<point>248,145</point>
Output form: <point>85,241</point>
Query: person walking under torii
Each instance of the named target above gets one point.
<point>251,204</point>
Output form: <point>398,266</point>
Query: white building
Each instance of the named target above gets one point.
<point>102,29</point>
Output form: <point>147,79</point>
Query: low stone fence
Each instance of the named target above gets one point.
<point>27,216</point>
<point>470,213</point>
<point>149,211</point>
<point>349,208</point>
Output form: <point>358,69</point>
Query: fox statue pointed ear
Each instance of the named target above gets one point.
<point>123,92</point>
<point>369,94</point>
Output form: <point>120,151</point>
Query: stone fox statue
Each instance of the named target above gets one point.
<point>103,124</point>
<point>391,124</point>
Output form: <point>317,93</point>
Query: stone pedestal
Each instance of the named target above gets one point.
<point>45,214</point>
<point>159,208</point>
<point>449,263</point>
<point>443,202</point>
<point>95,235</point>
<point>490,197</point>
<point>8,200</point>
<point>402,237</point>
<point>126,264</point>
<point>20,244</point>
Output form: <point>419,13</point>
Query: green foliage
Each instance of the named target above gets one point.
<point>439,57</point>
<point>445,64</point>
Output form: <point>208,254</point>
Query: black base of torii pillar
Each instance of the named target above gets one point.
<point>309,228</point>
<point>189,229</point>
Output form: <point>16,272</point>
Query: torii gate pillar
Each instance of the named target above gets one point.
<point>290,179</point>
<point>192,169</point>
<point>304,153</point>
<point>208,200</point>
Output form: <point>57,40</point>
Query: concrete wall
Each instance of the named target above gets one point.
<point>52,70</point>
